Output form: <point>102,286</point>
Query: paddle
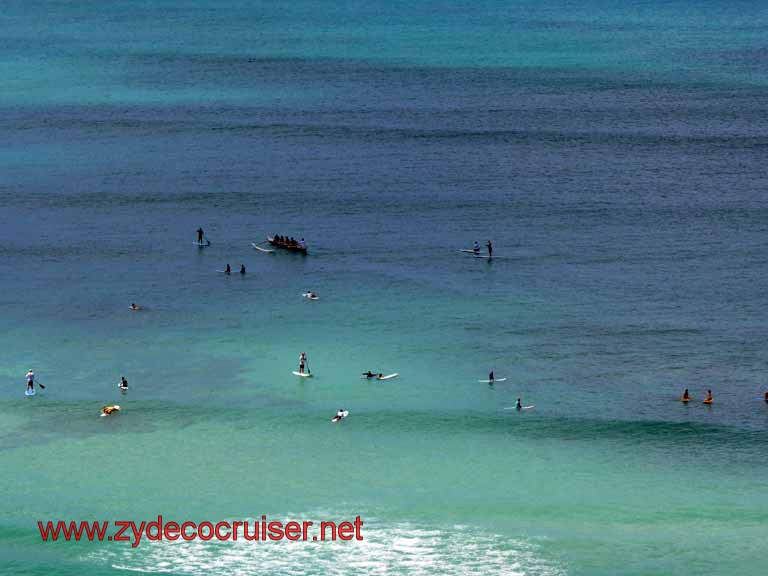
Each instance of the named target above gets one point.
<point>41,385</point>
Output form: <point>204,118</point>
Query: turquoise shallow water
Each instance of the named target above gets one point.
<point>616,157</point>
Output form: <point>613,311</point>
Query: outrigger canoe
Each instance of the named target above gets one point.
<point>286,246</point>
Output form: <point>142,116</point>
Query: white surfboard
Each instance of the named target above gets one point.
<point>523,408</point>
<point>223,271</point>
<point>492,381</point>
<point>116,409</point>
<point>260,249</point>
<point>311,297</point>
<point>29,392</point>
<point>485,257</point>
<point>304,375</point>
<point>344,414</point>
<point>388,376</point>
<point>202,244</point>
<point>469,251</point>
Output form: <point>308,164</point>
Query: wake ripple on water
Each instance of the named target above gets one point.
<point>402,548</point>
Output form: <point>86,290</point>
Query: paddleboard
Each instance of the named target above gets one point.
<point>686,400</point>
<point>492,381</point>
<point>202,244</point>
<point>135,309</point>
<point>260,249</point>
<point>116,409</point>
<point>469,251</point>
<point>305,375</point>
<point>388,376</point>
<point>485,257</point>
<point>523,408</point>
<point>344,414</point>
<point>223,271</point>
<point>122,388</point>
<point>307,295</point>
<point>707,402</point>
<point>29,392</point>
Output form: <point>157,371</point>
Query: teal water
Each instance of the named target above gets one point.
<point>615,155</point>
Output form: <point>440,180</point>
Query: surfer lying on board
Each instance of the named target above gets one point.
<point>134,306</point>
<point>107,410</point>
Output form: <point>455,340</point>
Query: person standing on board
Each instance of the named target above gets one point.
<point>490,377</point>
<point>30,380</point>
<point>228,270</point>
<point>242,269</point>
<point>200,235</point>
<point>490,249</point>
<point>302,362</point>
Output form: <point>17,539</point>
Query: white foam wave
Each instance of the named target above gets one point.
<point>403,548</point>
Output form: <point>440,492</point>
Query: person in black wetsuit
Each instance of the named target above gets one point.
<point>200,235</point>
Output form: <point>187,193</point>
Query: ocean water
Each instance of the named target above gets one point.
<point>616,155</point>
